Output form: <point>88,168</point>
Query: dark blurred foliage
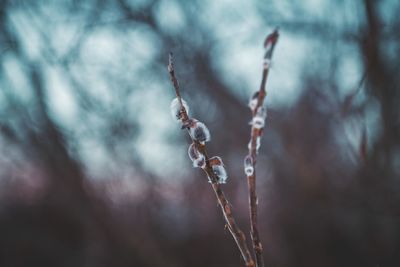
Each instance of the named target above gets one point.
<point>325,199</point>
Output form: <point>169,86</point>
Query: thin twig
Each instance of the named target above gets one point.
<point>346,110</point>
<point>348,101</point>
<point>256,133</point>
<point>236,233</point>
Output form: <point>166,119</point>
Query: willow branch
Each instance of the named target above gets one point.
<point>234,229</point>
<point>256,133</point>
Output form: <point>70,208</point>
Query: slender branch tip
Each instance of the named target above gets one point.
<point>170,62</point>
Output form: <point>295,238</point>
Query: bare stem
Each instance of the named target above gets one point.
<point>234,229</point>
<point>256,133</point>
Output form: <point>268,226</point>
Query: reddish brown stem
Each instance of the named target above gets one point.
<point>234,229</point>
<point>256,133</point>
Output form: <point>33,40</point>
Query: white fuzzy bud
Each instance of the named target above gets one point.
<point>258,120</point>
<point>248,165</point>
<point>176,111</point>
<point>199,131</point>
<point>196,156</point>
<point>253,101</point>
<point>219,170</point>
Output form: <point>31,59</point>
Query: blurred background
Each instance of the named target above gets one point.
<point>94,171</point>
